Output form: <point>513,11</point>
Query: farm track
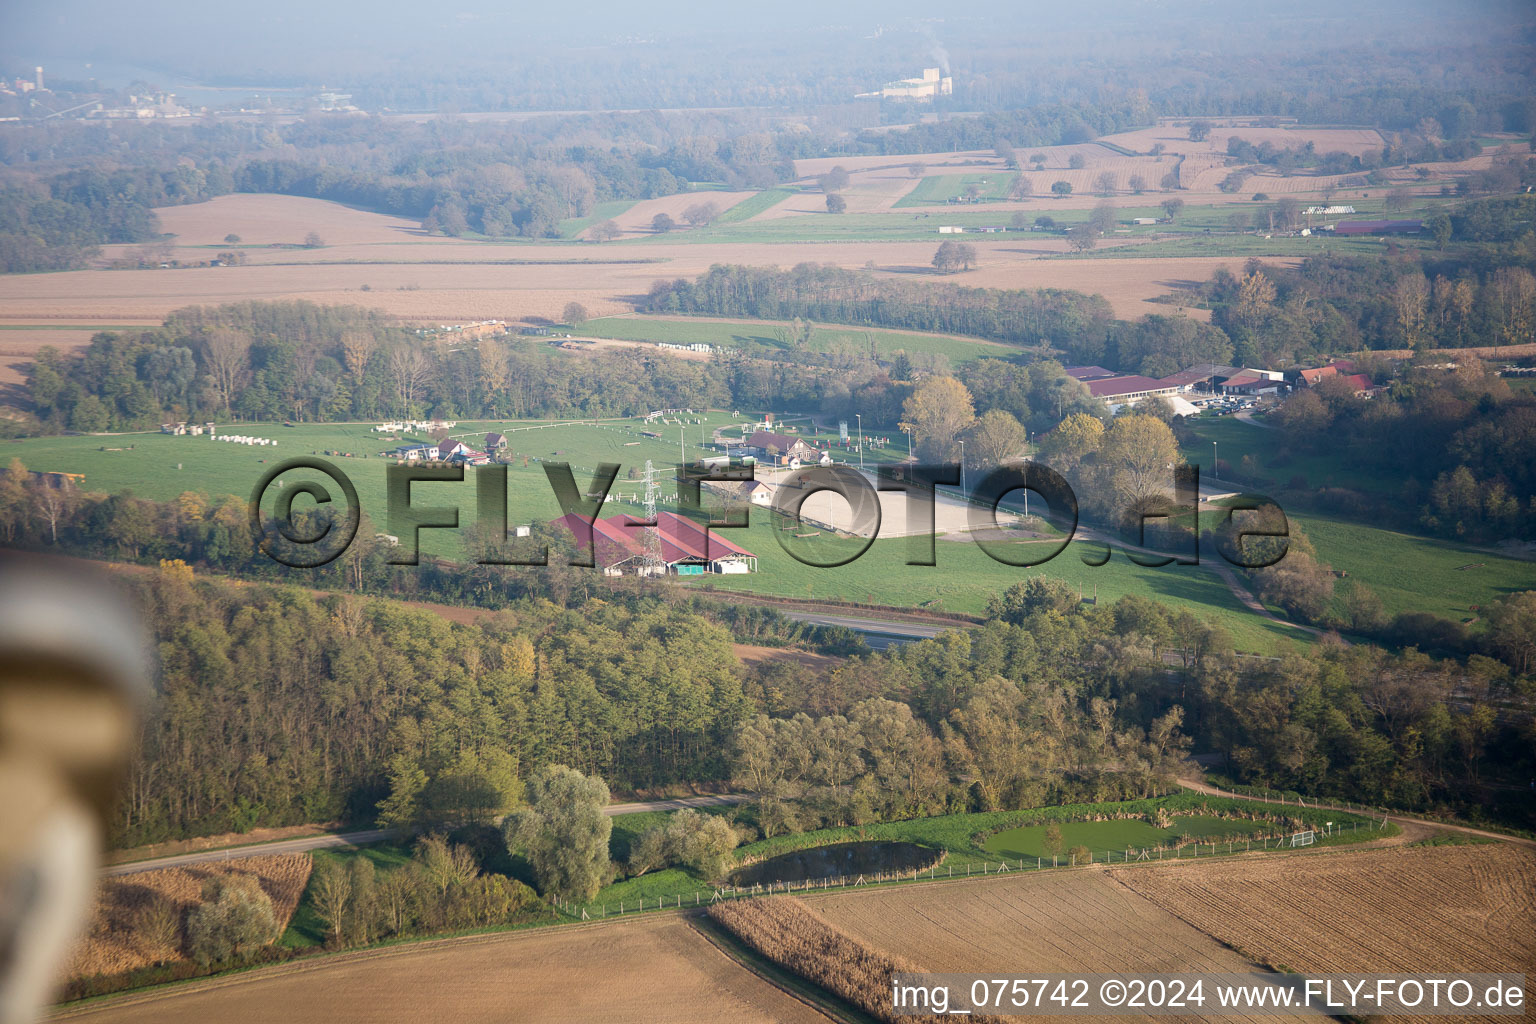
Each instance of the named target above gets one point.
<point>1405,821</point>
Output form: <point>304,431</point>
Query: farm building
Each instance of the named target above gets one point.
<point>685,548</point>
<point>752,491</point>
<point>495,442</point>
<point>1128,390</point>
<point>1311,376</point>
<point>1087,373</point>
<point>1378,227</point>
<point>1229,380</point>
<point>783,449</point>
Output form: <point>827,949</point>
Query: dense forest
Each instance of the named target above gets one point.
<point>278,707</point>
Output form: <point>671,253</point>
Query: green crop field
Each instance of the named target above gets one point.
<point>940,188</point>
<point>760,338</point>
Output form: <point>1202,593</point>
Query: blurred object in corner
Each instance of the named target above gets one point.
<point>74,672</point>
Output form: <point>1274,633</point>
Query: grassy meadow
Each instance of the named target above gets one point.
<point>1408,572</point>
<point>760,338</point>
<point>941,188</point>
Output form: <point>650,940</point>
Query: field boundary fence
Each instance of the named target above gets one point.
<point>948,871</point>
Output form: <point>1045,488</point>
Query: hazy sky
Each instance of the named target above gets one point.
<point>286,37</point>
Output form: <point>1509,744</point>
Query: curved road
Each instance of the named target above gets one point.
<point>332,839</point>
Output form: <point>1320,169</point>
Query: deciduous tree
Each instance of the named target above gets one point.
<point>563,832</point>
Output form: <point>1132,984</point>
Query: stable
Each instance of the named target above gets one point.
<point>624,544</point>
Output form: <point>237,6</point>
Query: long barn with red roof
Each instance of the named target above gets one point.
<point>686,548</point>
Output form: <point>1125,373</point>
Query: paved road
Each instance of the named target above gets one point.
<point>878,633</point>
<point>333,839</point>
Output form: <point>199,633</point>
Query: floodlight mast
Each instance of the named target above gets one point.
<point>653,561</point>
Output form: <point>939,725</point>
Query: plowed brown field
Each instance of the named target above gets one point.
<point>1057,922</point>
<point>654,970</point>
<point>1396,910</point>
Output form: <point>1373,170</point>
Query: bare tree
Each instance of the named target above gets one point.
<point>52,503</point>
<point>227,352</point>
<point>1105,182</point>
<point>605,231</point>
<point>356,349</point>
<point>700,214</point>
<point>410,371</point>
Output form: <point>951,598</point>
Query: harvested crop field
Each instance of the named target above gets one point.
<point>654,969</point>
<point>1077,920</point>
<point>1053,922</point>
<point>637,219</point>
<point>117,943</point>
<point>444,292</point>
<point>261,219</point>
<point>1400,909</point>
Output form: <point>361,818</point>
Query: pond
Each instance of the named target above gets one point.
<point>842,860</point>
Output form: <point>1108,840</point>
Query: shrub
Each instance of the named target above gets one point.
<point>158,923</point>
<point>234,920</point>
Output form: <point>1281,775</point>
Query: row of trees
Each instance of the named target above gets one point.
<point>1005,747</point>
<point>442,887</point>
<point>831,294</point>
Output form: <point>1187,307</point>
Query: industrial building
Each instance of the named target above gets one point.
<point>932,83</point>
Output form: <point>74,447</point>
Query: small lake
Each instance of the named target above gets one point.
<point>843,860</point>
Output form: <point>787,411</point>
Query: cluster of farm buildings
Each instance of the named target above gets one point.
<point>449,450</point>
<point>1197,385</point>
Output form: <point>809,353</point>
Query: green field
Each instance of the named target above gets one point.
<point>161,466</point>
<point>1201,230</point>
<point>938,189</point>
<point>601,212</point>
<point>1117,835</point>
<point>749,208</point>
<point>1409,572</point>
<point>760,338</point>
